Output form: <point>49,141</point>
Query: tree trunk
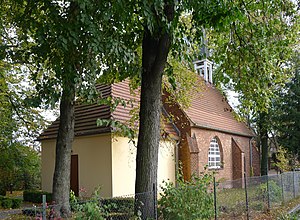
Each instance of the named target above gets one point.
<point>65,137</point>
<point>155,52</point>
<point>61,178</point>
<point>263,133</point>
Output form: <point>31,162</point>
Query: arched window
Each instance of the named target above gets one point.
<point>214,155</point>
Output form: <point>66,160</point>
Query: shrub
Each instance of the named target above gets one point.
<point>96,208</point>
<point>1,199</point>
<point>275,193</point>
<point>189,200</point>
<point>118,205</point>
<point>6,203</point>
<point>2,191</point>
<point>35,196</point>
<point>89,210</point>
<point>16,203</point>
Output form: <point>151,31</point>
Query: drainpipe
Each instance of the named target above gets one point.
<point>176,145</point>
<point>251,156</point>
<point>176,161</point>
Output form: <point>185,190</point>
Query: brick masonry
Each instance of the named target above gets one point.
<point>233,147</point>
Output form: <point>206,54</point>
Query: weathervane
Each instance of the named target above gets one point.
<point>204,67</point>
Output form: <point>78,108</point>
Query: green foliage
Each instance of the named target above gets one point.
<point>8,203</point>
<point>287,115</point>
<point>19,120</point>
<point>293,216</point>
<point>181,82</point>
<point>189,200</point>
<point>283,159</point>
<point>65,42</point>
<point>36,196</point>
<point>118,205</point>
<point>252,49</point>
<point>96,208</point>
<point>19,167</point>
<point>16,203</point>
<point>2,190</point>
<point>73,200</point>
<point>19,126</point>
<point>89,209</point>
<point>275,192</point>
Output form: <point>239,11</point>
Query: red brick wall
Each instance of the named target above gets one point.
<point>194,163</point>
<point>255,160</point>
<point>237,168</point>
<point>204,137</point>
<point>183,124</point>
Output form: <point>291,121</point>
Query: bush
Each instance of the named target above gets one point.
<point>189,200</point>
<point>2,191</point>
<point>88,210</point>
<point>275,192</point>
<point>118,205</point>
<point>96,208</point>
<point>1,199</point>
<point>36,196</point>
<point>6,203</point>
<point>16,203</point>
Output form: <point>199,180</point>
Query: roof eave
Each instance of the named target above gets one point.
<point>106,130</point>
<point>195,125</point>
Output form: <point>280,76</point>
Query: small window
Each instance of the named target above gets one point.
<point>214,156</point>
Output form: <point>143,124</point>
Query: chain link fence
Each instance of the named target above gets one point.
<point>236,199</point>
<point>245,197</point>
<point>96,208</point>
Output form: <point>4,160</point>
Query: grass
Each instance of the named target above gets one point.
<point>231,204</point>
<point>234,200</point>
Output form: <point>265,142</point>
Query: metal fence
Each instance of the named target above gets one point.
<point>248,196</point>
<point>117,208</point>
<point>236,199</point>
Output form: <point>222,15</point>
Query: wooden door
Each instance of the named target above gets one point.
<point>74,183</point>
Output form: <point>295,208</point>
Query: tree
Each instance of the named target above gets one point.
<point>253,53</point>
<point>288,113</point>
<point>19,164</point>
<point>19,167</point>
<point>63,44</point>
<point>67,40</point>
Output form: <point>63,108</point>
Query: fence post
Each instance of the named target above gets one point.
<point>296,183</point>
<point>215,198</point>
<point>246,192</point>
<point>294,190</point>
<point>282,189</point>
<point>44,208</point>
<point>155,201</point>
<point>268,191</point>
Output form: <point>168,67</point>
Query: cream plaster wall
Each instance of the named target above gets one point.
<point>123,165</point>
<point>94,163</point>
<point>48,161</point>
<point>108,163</point>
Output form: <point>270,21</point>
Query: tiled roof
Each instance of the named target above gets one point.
<point>210,110</point>
<point>86,115</point>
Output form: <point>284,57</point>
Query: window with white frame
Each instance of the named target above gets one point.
<point>214,155</point>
